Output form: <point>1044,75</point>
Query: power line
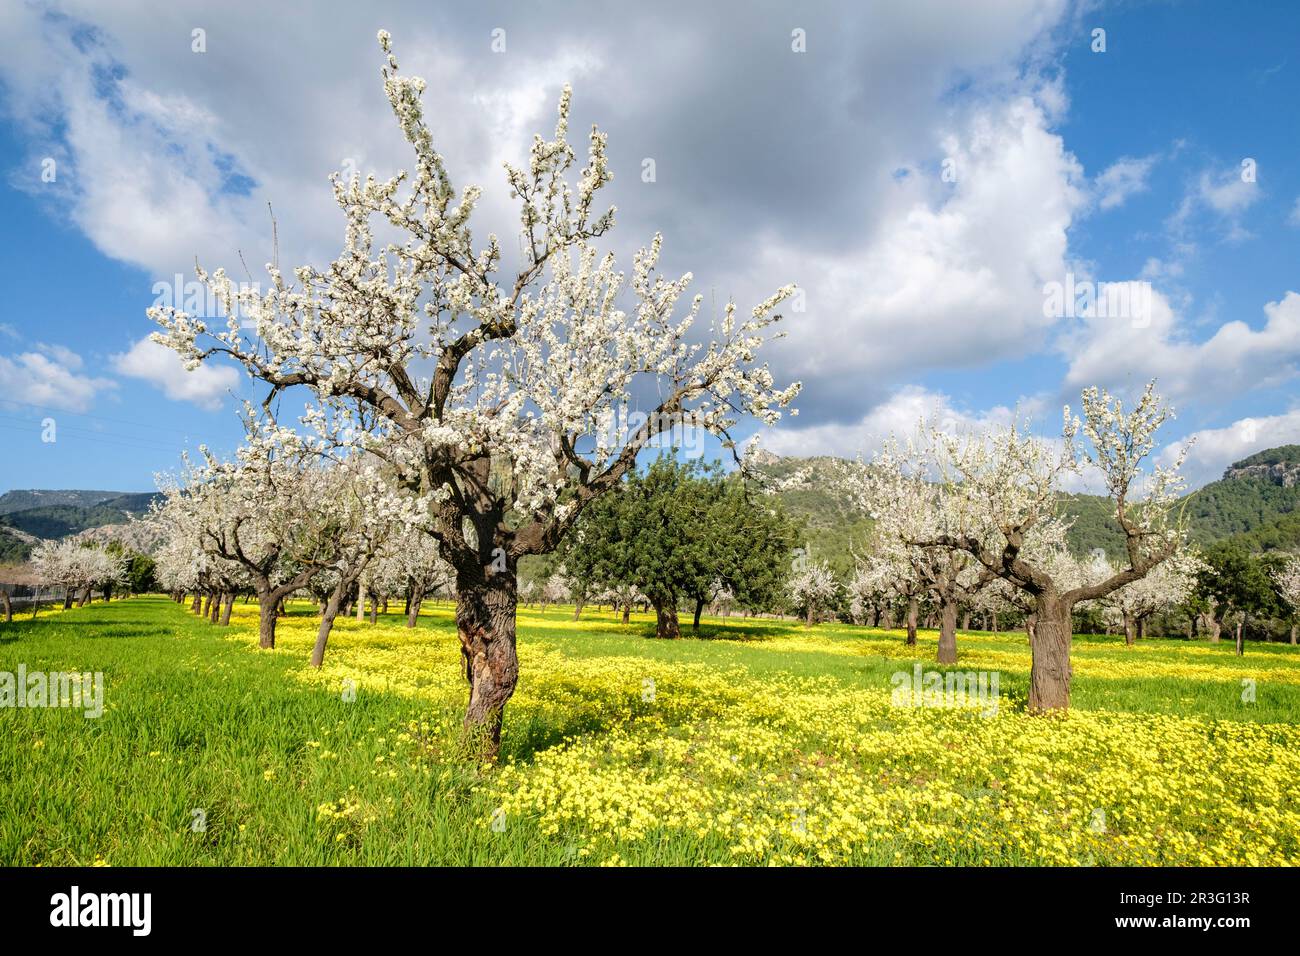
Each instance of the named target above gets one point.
<point>102,418</point>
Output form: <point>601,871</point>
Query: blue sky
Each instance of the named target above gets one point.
<point>825,170</point>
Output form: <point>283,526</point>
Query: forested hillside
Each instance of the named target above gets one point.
<point>28,516</point>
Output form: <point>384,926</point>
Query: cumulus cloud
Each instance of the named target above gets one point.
<point>206,386</point>
<point>929,289</point>
<point>50,376</point>
<point>828,171</point>
<point>1214,449</point>
<point>1121,352</point>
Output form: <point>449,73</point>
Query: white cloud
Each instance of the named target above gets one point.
<point>206,386</point>
<point>1217,448</point>
<point>898,417</point>
<point>1225,195</point>
<point>1124,178</point>
<point>930,289</point>
<point>51,377</point>
<point>1236,358</point>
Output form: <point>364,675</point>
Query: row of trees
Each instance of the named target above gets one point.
<point>80,569</point>
<point>285,515</point>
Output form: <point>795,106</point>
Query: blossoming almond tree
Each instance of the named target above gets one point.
<point>266,512</point>
<point>493,390</point>
<point>76,567</point>
<point>1169,583</point>
<point>812,586</point>
<point>1287,579</point>
<point>894,490</point>
<point>368,524</point>
<point>1003,484</point>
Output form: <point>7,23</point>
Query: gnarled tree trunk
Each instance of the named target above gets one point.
<point>627,616</point>
<point>666,625</point>
<point>485,621</point>
<point>267,607</point>
<point>948,633</point>
<point>227,602</point>
<point>1130,629</point>
<point>911,621</point>
<point>1049,645</point>
<point>413,608</point>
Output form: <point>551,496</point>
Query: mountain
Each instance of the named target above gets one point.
<point>832,529</point>
<point>26,517</point>
<point>1256,502</point>
<point>40,498</point>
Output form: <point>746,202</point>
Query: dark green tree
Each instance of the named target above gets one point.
<point>680,532</point>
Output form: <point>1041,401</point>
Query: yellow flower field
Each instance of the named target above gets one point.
<point>756,765</point>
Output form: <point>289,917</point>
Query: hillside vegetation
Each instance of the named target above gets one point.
<point>1251,504</point>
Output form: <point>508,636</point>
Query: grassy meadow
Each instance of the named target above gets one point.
<point>760,742</point>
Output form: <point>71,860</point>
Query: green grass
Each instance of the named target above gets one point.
<point>198,720</point>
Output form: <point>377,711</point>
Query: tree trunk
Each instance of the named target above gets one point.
<point>699,609</point>
<point>965,621</point>
<point>9,611</point>
<point>1241,637</point>
<point>577,609</point>
<point>1141,628</point>
<point>666,625</point>
<point>1294,629</point>
<point>267,605</point>
<point>323,632</point>
<point>227,602</point>
<point>67,598</point>
<point>1049,646</point>
<point>374,609</point>
<point>413,609</point>
<point>627,616</point>
<point>1216,630</point>
<point>911,622</point>
<point>1130,629</point>
<point>196,606</point>
<point>214,612</point>
<point>485,622</point>
<point>948,634</point>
